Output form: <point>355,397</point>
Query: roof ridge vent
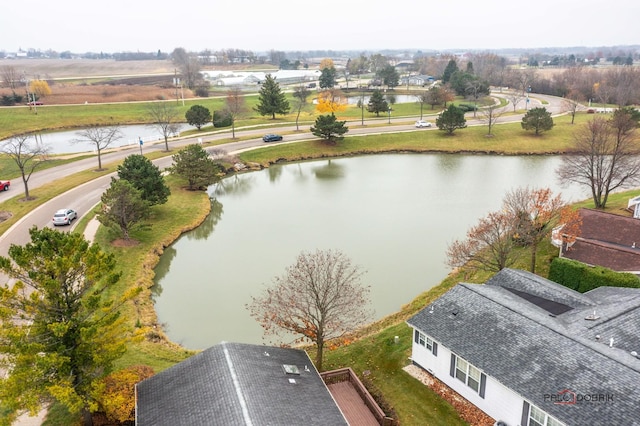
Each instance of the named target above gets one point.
<point>592,317</point>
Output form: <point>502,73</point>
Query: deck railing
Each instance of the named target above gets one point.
<point>347,374</point>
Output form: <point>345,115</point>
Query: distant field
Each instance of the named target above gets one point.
<point>74,68</point>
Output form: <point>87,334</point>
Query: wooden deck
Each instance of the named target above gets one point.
<point>352,405</point>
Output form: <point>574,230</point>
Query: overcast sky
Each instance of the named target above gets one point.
<point>258,25</point>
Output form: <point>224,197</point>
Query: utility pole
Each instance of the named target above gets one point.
<point>176,81</point>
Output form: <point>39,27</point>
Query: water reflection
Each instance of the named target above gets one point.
<point>235,185</point>
<point>274,173</point>
<point>331,170</point>
<point>162,269</point>
<point>449,163</point>
<point>207,227</point>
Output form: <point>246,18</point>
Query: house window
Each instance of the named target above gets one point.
<point>537,417</point>
<point>426,342</point>
<point>468,374</point>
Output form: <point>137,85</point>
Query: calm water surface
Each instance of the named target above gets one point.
<point>393,215</point>
<point>63,142</point>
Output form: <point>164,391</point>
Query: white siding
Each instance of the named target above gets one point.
<point>500,402</point>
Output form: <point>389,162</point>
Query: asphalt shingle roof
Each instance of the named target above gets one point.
<point>608,240</point>
<point>534,352</point>
<point>238,384</point>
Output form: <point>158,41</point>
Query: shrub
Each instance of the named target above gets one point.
<point>581,277</point>
<point>116,392</point>
<point>467,107</point>
<point>10,100</point>
<point>222,119</point>
<point>202,92</point>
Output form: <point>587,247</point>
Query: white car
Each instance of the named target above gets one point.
<point>422,123</point>
<point>64,217</point>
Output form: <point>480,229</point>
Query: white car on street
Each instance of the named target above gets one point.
<point>64,217</point>
<point>422,123</point>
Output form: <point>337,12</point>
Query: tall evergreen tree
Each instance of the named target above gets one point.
<point>124,209</point>
<point>327,78</point>
<point>145,176</point>
<point>451,119</point>
<point>194,164</point>
<point>389,76</point>
<point>60,332</point>
<point>329,128</point>
<point>271,99</point>
<point>377,103</point>
<point>452,67</point>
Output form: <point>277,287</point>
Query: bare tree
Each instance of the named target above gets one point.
<point>605,157</point>
<point>164,117</point>
<point>490,116</point>
<point>571,103</point>
<point>300,95</point>
<point>235,106</point>
<point>624,83</point>
<point>320,298</point>
<point>189,66</point>
<point>28,156</point>
<point>423,98</point>
<point>100,137</point>
<point>522,80</point>
<point>10,77</point>
<point>514,96</point>
<point>488,246</point>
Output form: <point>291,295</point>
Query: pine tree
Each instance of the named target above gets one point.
<point>451,119</point>
<point>377,103</point>
<point>61,326</point>
<point>328,128</point>
<point>538,120</point>
<point>271,99</point>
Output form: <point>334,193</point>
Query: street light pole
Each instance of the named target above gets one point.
<point>389,115</point>
<point>361,105</point>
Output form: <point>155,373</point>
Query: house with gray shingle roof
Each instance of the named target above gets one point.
<point>530,352</point>
<point>238,384</point>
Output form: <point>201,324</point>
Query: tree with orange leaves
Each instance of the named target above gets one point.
<point>527,217</point>
<point>536,211</point>
<point>319,298</point>
<point>489,245</point>
<point>326,63</point>
<point>331,101</point>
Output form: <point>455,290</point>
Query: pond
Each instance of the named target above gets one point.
<point>62,142</point>
<point>394,215</point>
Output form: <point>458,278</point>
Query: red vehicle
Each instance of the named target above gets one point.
<point>4,185</point>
